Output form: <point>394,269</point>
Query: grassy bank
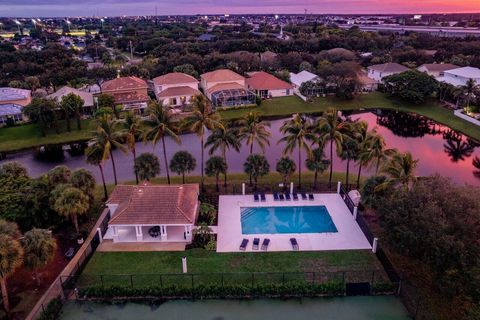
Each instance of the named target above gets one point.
<point>431,109</point>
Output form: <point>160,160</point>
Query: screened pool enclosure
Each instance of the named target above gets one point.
<point>232,97</point>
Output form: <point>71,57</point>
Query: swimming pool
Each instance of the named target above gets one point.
<point>294,219</point>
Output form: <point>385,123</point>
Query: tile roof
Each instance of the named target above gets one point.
<point>124,83</point>
<point>221,75</point>
<point>174,78</point>
<point>178,91</point>
<point>87,97</point>
<point>151,204</point>
<point>12,94</point>
<point>439,67</point>
<point>465,72</point>
<point>389,67</point>
<point>265,81</point>
<point>225,86</point>
<point>130,97</point>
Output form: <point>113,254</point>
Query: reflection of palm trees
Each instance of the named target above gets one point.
<point>476,165</point>
<point>456,147</point>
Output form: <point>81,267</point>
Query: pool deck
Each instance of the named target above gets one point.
<point>348,237</point>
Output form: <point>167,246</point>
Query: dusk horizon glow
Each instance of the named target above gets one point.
<point>58,8</point>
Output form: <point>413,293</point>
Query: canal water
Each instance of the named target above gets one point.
<point>439,149</point>
<point>344,308</point>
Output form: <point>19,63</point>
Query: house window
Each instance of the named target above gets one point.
<point>288,92</point>
<point>173,101</point>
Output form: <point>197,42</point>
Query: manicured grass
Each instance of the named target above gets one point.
<point>29,136</point>
<point>289,105</point>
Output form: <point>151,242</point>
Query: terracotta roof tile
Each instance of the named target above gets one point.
<point>265,81</point>
<point>124,83</point>
<point>174,78</point>
<point>155,204</point>
<point>178,91</point>
<point>225,86</point>
<point>221,75</point>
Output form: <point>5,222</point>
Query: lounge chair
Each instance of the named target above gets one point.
<point>295,196</point>
<point>255,197</point>
<point>287,196</point>
<point>256,243</point>
<point>243,245</point>
<point>265,244</point>
<point>304,196</point>
<point>310,196</point>
<point>294,243</point>
<point>281,197</point>
<point>262,197</point>
<point>275,196</point>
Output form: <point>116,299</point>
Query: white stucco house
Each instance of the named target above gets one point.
<point>297,79</point>
<point>175,89</point>
<point>148,213</point>
<point>379,71</point>
<point>436,70</point>
<point>460,76</point>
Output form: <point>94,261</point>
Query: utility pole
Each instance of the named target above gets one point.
<point>131,50</point>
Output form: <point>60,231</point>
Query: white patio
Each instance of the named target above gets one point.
<point>168,233</point>
<point>348,237</point>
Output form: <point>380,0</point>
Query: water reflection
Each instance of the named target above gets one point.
<point>439,149</point>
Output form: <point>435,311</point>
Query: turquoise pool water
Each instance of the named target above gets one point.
<point>295,219</point>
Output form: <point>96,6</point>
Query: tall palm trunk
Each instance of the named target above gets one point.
<point>67,120</point>
<point>315,177</point>
<point>358,177</point>
<point>113,167</point>
<point>77,115</point>
<point>348,172</point>
<point>331,165</point>
<point>183,177</point>
<point>225,175</point>
<point>6,302</point>
<point>202,156</point>
<point>251,152</point>
<point>299,167</point>
<point>134,152</point>
<point>103,180</point>
<point>165,159</point>
<point>75,222</point>
<point>55,122</point>
<point>217,178</point>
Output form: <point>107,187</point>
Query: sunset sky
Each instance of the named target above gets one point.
<point>146,7</point>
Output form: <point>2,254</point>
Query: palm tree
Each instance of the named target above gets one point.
<point>201,119</point>
<point>132,130</point>
<point>147,166</point>
<point>182,162</point>
<point>476,165</point>
<point>330,128</point>
<point>72,202</point>
<point>40,111</point>
<point>106,137</point>
<point>469,91</point>
<point>83,180</point>
<point>286,167</point>
<point>223,139</point>
<point>400,169</point>
<point>11,257</point>
<point>94,156</point>
<point>160,123</point>
<point>317,163</point>
<point>215,166</point>
<point>72,103</point>
<point>296,134</point>
<point>254,130</point>
<point>256,166</point>
<point>375,151</point>
<point>349,149</point>
<point>39,249</point>
<point>362,135</point>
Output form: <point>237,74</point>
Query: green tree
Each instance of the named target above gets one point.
<point>400,169</point>
<point>363,136</point>
<point>223,139</point>
<point>413,86</point>
<point>106,101</point>
<point>84,180</point>
<point>72,202</point>
<point>286,167</point>
<point>39,249</point>
<point>182,162</point>
<point>296,133</point>
<point>161,123</point>
<point>330,128</point>
<point>147,166</point>
<point>207,213</point>
<point>317,163</point>
<point>215,166</point>
<point>349,149</point>
<point>375,151</point>
<point>58,175</point>
<point>256,167</point>
<point>11,258</point>
<point>105,138</point>
<point>41,111</point>
<point>33,83</point>
<point>72,103</point>
<point>186,68</point>
<point>254,130</point>
<point>469,91</point>
<point>202,118</point>
<point>132,129</point>
<point>94,156</point>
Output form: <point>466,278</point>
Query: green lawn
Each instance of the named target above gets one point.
<point>431,109</point>
<point>29,136</point>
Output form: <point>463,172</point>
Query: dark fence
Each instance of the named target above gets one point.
<point>346,198</point>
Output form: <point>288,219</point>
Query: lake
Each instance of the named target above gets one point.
<point>342,308</point>
<point>439,149</point>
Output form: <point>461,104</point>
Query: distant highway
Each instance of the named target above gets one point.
<point>436,31</point>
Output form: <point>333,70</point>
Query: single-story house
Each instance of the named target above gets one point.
<point>130,92</point>
<point>226,88</point>
<point>175,89</point>
<point>87,97</point>
<point>152,213</point>
<point>460,76</point>
<point>266,85</point>
<point>379,71</point>
<point>297,79</point>
<point>436,70</point>
<point>12,101</point>
<point>366,84</point>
